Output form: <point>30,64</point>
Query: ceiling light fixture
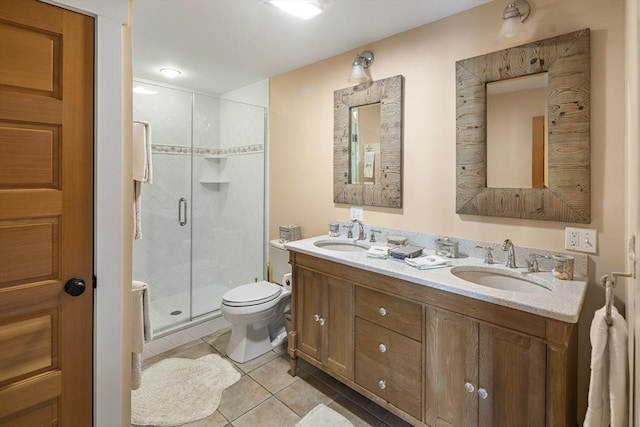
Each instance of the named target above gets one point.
<point>170,73</point>
<point>358,68</point>
<point>303,9</point>
<point>514,15</point>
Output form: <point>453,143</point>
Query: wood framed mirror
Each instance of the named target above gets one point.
<point>367,153</point>
<point>565,195</point>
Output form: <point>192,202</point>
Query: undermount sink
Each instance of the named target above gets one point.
<point>500,279</point>
<point>342,245</point>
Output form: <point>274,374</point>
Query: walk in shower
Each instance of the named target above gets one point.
<point>203,216</point>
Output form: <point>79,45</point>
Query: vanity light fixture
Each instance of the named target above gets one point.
<point>514,15</point>
<point>303,9</point>
<point>170,73</point>
<point>358,69</point>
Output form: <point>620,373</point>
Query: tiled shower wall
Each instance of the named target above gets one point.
<point>222,245</point>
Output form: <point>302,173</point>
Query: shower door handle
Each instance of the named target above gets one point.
<point>182,211</point>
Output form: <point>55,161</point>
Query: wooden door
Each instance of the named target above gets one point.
<point>512,372</point>
<point>451,398</point>
<point>46,215</point>
<point>309,301</point>
<point>338,338</point>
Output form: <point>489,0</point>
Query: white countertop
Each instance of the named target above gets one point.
<point>562,302</point>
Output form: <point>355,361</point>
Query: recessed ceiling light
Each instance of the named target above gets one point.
<point>303,9</point>
<point>171,73</point>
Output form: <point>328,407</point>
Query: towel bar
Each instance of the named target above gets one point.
<point>609,280</point>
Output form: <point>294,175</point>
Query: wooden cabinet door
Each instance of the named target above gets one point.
<point>338,338</point>
<point>309,287</point>
<point>451,398</point>
<point>46,215</point>
<point>512,372</point>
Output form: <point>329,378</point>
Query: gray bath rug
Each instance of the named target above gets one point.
<point>178,391</point>
<point>322,416</point>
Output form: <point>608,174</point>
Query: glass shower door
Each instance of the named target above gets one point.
<point>162,258</point>
<point>228,195</point>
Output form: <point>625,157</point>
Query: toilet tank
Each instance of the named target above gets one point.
<point>278,261</point>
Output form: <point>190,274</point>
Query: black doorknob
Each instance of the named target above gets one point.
<point>74,287</point>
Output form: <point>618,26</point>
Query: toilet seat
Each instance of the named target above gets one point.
<point>252,294</point>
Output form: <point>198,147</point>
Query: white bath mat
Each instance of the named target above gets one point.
<point>177,391</point>
<point>322,416</point>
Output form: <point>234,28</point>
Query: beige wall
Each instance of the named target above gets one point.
<point>301,124</point>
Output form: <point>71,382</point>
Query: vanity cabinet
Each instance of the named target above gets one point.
<point>324,320</point>
<point>432,357</point>
<point>481,375</point>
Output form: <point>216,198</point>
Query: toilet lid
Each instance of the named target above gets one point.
<point>252,294</point>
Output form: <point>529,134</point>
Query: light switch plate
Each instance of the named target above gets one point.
<point>581,239</point>
<point>357,213</point>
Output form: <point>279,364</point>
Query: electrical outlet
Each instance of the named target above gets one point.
<point>581,239</point>
<point>357,213</point>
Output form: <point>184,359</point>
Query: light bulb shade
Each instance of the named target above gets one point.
<point>358,74</point>
<point>513,16</point>
<point>358,69</point>
<point>513,30</point>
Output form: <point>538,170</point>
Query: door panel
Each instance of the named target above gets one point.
<point>46,214</point>
<point>338,331</point>
<point>309,297</point>
<point>452,362</point>
<point>513,371</point>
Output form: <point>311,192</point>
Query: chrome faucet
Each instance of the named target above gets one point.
<point>361,232</point>
<point>511,253</point>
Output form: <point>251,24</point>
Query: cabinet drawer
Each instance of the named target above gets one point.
<point>393,313</point>
<point>389,365</point>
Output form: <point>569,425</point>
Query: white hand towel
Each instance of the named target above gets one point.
<point>141,152</point>
<point>369,161</point>
<point>142,170</point>
<point>137,210</point>
<point>138,151</point>
<point>428,262</point>
<point>379,252</point>
<point>608,382</point>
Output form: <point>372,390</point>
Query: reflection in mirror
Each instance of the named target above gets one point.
<point>516,137</point>
<point>365,144</point>
<point>369,173</point>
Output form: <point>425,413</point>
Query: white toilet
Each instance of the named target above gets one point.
<point>256,310</point>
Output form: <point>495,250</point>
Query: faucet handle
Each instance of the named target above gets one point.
<point>373,232</point>
<point>534,265</point>
<point>350,228</point>
<point>488,255</point>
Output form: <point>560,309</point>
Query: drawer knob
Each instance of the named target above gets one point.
<point>482,393</point>
<point>382,348</point>
<point>469,387</point>
<point>321,321</point>
<point>382,311</point>
<point>316,317</point>
<point>382,384</point>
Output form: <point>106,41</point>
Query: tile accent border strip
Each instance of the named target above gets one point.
<point>205,151</point>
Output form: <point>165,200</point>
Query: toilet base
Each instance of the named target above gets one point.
<point>247,342</point>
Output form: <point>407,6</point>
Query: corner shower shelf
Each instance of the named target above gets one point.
<point>213,180</point>
<point>214,174</point>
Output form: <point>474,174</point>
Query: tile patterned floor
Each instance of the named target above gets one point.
<point>267,395</point>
